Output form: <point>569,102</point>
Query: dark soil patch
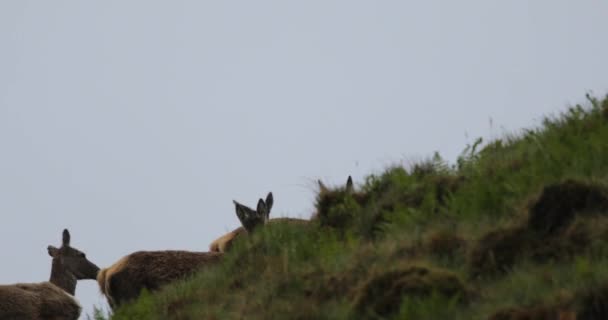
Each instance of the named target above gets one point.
<point>383,294</point>
<point>591,304</point>
<point>560,308</point>
<point>498,250</point>
<point>594,304</point>
<point>581,235</point>
<point>549,233</point>
<point>445,243</point>
<point>536,313</point>
<point>323,287</point>
<point>558,204</point>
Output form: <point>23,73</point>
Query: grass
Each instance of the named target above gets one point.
<point>516,229</point>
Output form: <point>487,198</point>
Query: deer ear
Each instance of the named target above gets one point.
<point>349,184</point>
<point>249,218</point>
<point>322,187</point>
<point>53,252</point>
<point>269,202</point>
<point>66,237</point>
<point>262,209</point>
<point>240,209</point>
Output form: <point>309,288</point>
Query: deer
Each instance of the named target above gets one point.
<point>123,281</point>
<point>250,219</point>
<point>349,187</point>
<point>53,299</point>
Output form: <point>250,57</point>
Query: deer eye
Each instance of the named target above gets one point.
<point>82,255</point>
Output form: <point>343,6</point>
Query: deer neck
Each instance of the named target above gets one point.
<point>62,278</point>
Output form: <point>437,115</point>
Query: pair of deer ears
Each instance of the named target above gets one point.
<point>349,185</point>
<point>251,218</point>
<point>54,251</point>
<point>263,207</point>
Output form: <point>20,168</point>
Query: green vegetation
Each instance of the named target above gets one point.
<point>516,229</point>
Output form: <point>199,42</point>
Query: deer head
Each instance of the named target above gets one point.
<point>70,264</point>
<point>349,187</point>
<point>252,218</point>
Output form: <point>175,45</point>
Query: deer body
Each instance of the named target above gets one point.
<point>223,243</point>
<point>150,270</point>
<point>37,301</point>
<point>54,299</point>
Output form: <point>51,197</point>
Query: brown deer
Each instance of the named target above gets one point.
<point>349,187</point>
<point>151,270</point>
<point>250,219</point>
<point>328,199</point>
<point>53,299</point>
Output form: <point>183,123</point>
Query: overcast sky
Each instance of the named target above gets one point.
<point>135,123</point>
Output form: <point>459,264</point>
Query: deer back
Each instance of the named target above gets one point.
<point>37,301</point>
<point>150,270</point>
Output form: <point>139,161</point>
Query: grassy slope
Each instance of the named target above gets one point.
<point>432,242</point>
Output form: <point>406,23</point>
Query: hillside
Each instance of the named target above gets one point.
<point>516,229</point>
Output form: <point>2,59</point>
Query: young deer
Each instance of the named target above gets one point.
<point>250,219</point>
<point>53,299</point>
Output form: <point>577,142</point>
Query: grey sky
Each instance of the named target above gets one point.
<point>135,123</point>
